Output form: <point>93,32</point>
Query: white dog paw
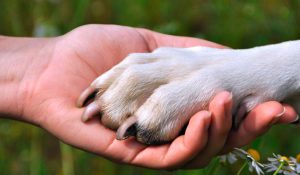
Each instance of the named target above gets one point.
<point>127,85</point>
<point>153,95</point>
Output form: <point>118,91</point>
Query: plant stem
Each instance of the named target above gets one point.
<point>242,168</point>
<point>279,168</point>
<point>35,152</point>
<point>67,159</point>
<point>215,167</point>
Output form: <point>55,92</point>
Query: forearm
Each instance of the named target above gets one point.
<point>17,56</point>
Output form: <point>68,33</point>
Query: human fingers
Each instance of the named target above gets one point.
<point>220,126</point>
<point>155,40</point>
<point>181,150</point>
<point>290,115</point>
<point>258,121</point>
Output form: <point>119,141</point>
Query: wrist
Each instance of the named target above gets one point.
<point>18,58</point>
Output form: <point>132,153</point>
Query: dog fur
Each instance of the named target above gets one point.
<point>153,95</point>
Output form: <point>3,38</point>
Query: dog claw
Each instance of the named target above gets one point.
<point>128,128</point>
<point>85,95</point>
<point>90,111</point>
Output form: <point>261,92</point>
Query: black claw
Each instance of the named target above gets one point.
<point>86,96</point>
<point>131,131</point>
<point>128,128</point>
<point>89,98</point>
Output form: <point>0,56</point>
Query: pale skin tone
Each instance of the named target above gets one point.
<point>41,79</point>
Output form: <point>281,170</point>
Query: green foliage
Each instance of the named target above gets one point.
<point>25,149</point>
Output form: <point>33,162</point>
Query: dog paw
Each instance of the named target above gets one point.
<point>153,95</point>
<point>132,87</point>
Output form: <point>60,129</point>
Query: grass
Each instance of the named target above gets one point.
<point>25,149</point>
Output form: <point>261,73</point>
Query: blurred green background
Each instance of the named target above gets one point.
<point>25,149</point>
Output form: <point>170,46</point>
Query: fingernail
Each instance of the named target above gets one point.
<point>296,121</point>
<point>209,113</point>
<point>229,98</point>
<point>278,116</point>
<point>281,114</point>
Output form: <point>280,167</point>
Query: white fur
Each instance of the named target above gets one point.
<point>166,87</point>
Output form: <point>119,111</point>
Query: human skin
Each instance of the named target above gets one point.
<point>41,79</point>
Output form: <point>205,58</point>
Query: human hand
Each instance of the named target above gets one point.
<point>51,73</point>
<point>55,72</point>
<point>222,139</point>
